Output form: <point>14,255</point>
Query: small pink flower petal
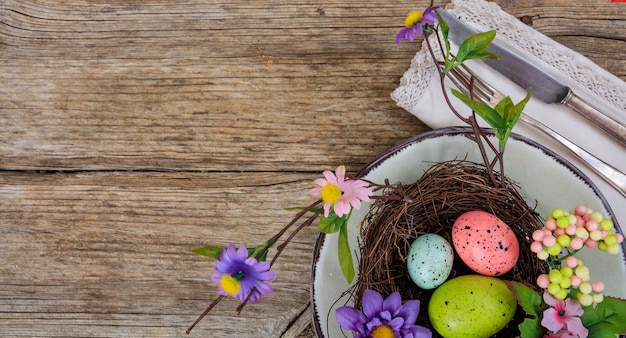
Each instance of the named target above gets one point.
<point>315,191</point>
<point>551,320</point>
<point>575,325</point>
<point>321,182</point>
<point>330,177</point>
<point>547,297</point>
<point>573,308</point>
<point>326,209</point>
<point>340,172</point>
<point>341,207</point>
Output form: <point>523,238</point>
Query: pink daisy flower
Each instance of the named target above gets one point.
<point>563,317</point>
<point>339,193</point>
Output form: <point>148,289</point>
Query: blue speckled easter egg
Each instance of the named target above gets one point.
<point>430,261</point>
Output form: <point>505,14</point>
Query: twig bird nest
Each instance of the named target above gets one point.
<point>431,205</point>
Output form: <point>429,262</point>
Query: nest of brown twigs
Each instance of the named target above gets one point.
<point>431,205</point>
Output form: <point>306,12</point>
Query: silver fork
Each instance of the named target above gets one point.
<point>481,90</point>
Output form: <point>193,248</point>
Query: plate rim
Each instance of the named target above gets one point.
<point>435,133</point>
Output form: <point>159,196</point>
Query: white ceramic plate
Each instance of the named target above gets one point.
<point>542,175</point>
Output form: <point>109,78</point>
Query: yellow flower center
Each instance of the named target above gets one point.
<point>382,331</point>
<point>330,193</point>
<point>412,19</point>
<point>230,284</point>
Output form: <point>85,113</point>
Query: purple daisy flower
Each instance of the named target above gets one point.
<point>380,318</point>
<point>416,23</point>
<point>237,275</point>
<point>429,16</point>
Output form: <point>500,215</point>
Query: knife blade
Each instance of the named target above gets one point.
<point>543,85</point>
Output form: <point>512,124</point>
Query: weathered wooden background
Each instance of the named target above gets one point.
<point>133,131</point>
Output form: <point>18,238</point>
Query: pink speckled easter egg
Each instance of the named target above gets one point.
<point>485,243</point>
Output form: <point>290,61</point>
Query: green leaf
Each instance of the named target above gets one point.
<point>215,251</point>
<point>529,299</point>
<point>490,115</point>
<point>332,223</point>
<point>344,254</point>
<point>253,252</point>
<point>485,54</point>
<point>474,47</point>
<point>532,304</point>
<point>607,319</point>
<point>209,251</point>
<point>501,118</point>
<point>510,114</point>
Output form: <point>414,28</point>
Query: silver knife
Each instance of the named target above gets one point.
<point>527,75</point>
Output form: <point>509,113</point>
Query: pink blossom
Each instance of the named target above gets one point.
<point>563,318</point>
<point>339,193</point>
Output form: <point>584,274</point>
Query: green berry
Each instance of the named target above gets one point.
<point>585,288</point>
<point>543,255</point>
<point>596,216</point>
<point>553,289</point>
<point>598,298</point>
<point>564,240</point>
<point>555,276</point>
<point>584,299</point>
<point>613,249</point>
<point>582,272</point>
<point>558,212</point>
<point>554,250</point>
<point>562,222</point>
<point>566,271</point>
<point>610,239</point>
<point>606,224</point>
<point>565,283</point>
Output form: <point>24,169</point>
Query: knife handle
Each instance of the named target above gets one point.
<point>609,125</point>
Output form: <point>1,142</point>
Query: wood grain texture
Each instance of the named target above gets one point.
<point>107,254</point>
<point>193,86</point>
<point>133,131</point>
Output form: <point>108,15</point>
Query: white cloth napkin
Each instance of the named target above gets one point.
<point>420,94</point>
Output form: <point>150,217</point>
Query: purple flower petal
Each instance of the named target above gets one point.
<point>405,33</point>
<point>350,318</point>
<point>393,303</point>
<point>378,311</point>
<point>421,332</point>
<point>409,311</point>
<point>248,272</point>
<point>395,324</point>
<point>372,303</point>
<point>374,323</point>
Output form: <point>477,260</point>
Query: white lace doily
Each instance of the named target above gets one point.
<point>587,77</point>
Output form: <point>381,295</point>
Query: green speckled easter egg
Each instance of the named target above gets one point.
<point>471,306</point>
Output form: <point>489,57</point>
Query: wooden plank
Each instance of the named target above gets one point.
<point>197,85</point>
<point>193,86</point>
<point>107,254</point>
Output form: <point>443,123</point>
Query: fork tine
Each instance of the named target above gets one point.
<point>463,78</point>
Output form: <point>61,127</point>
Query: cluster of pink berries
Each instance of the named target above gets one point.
<point>573,230</point>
